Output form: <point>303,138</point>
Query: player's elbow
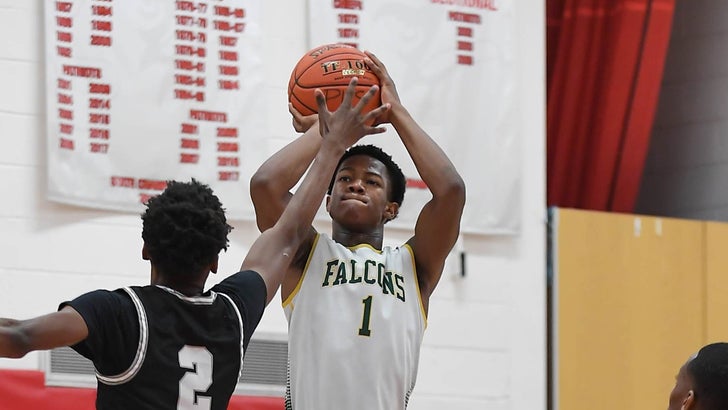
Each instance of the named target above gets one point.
<point>455,190</point>
<point>263,197</point>
<point>260,184</point>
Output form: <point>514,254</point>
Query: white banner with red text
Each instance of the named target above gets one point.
<point>140,92</point>
<point>453,62</point>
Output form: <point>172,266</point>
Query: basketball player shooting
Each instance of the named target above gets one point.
<point>357,311</point>
<point>172,345</point>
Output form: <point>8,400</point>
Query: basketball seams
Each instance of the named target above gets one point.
<point>303,104</point>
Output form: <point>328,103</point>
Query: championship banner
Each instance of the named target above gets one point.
<point>453,62</point>
<point>139,92</point>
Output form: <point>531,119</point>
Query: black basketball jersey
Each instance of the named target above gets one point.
<point>188,350</point>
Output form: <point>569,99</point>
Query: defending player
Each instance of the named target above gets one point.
<point>171,345</point>
<point>702,382</point>
<point>357,311</point>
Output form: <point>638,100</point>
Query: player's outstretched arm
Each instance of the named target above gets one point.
<point>63,328</point>
<point>271,254</point>
<point>438,224</point>
<point>271,184</point>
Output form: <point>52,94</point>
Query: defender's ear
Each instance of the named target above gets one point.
<point>145,253</point>
<point>213,265</point>
<point>328,203</point>
<point>689,401</point>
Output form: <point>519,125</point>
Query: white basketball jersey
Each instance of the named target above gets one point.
<point>355,326</point>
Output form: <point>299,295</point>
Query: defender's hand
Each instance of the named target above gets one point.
<point>348,123</point>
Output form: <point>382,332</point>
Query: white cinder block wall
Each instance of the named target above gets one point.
<point>687,165</point>
<point>485,344</point>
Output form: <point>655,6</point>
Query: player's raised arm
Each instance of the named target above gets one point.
<point>271,254</point>
<point>438,224</point>
<point>63,328</point>
<point>271,184</point>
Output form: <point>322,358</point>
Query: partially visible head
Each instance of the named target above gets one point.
<point>397,183</point>
<point>702,382</point>
<point>184,229</point>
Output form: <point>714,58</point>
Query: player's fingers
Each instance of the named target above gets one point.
<point>294,112</point>
<point>323,111</point>
<point>366,97</point>
<point>372,115</point>
<point>320,101</point>
<point>377,63</point>
<point>350,91</point>
<point>375,68</point>
<point>295,118</point>
<point>375,130</point>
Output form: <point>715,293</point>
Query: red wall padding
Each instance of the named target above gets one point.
<point>26,389</point>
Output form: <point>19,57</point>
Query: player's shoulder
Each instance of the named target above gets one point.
<point>247,291</point>
<point>105,296</point>
<point>245,282</point>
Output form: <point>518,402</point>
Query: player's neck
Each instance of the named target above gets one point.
<point>186,288</point>
<point>349,238</point>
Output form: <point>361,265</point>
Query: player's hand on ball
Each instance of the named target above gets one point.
<point>349,123</point>
<point>301,123</point>
<point>330,67</point>
<point>389,93</point>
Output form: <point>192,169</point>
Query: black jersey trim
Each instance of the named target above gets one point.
<point>141,347</point>
<point>242,331</point>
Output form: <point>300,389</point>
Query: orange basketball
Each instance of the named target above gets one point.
<point>330,68</point>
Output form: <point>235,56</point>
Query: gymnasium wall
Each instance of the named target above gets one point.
<point>485,343</point>
<point>634,296</point>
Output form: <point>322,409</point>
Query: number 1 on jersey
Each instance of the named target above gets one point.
<point>364,329</point>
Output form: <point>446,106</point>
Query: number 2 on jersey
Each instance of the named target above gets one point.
<point>196,380</point>
<point>364,329</point>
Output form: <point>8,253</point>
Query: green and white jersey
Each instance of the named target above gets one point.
<point>355,327</point>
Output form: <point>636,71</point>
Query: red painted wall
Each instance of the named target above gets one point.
<point>26,389</point>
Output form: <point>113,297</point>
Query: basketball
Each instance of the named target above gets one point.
<point>330,68</point>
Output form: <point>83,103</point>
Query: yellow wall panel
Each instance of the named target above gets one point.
<point>627,292</point>
<point>716,289</point>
